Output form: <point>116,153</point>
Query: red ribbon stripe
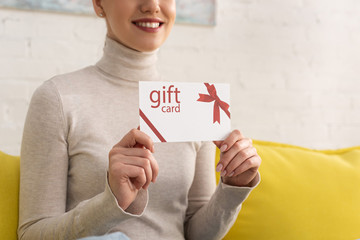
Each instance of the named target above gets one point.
<point>152,127</point>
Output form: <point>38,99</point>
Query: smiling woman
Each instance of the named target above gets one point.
<point>88,170</point>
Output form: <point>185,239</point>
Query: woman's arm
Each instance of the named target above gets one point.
<point>43,181</point>
<point>211,214</point>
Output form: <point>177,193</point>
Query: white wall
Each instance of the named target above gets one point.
<point>294,66</point>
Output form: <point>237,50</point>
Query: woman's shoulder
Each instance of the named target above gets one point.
<point>75,77</point>
<point>68,82</point>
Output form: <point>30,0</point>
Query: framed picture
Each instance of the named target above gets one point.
<point>201,12</point>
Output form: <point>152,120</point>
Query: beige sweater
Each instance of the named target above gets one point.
<point>72,123</point>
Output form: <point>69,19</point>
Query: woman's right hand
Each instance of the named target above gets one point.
<point>132,166</point>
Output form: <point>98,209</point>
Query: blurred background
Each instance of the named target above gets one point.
<point>293,65</point>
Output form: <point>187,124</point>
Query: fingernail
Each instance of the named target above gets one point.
<point>223,173</point>
<point>223,148</point>
<point>219,167</point>
<point>231,174</point>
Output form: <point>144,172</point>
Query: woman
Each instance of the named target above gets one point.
<point>76,183</point>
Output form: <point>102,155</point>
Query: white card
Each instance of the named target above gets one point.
<point>181,112</point>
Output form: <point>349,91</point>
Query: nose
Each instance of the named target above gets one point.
<point>150,6</point>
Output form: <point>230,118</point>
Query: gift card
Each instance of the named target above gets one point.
<point>181,112</point>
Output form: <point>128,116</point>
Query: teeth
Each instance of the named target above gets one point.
<point>148,24</point>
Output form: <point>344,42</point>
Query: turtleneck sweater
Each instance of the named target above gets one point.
<point>72,123</point>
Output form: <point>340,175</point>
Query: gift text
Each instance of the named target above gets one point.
<point>166,99</point>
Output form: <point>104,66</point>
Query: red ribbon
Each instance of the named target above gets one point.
<point>218,103</point>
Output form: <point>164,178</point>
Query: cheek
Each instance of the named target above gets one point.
<point>169,9</point>
<point>118,16</point>
<point>119,26</point>
<point>170,15</point>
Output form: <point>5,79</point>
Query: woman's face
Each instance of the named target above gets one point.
<point>142,25</point>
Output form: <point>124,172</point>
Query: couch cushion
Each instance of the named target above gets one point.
<point>303,194</point>
<point>9,195</point>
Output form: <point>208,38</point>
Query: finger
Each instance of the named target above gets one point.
<point>251,164</point>
<point>139,180</point>
<point>239,159</point>
<point>134,173</point>
<point>142,163</point>
<point>138,145</point>
<point>142,153</point>
<point>218,143</point>
<point>134,137</point>
<point>232,152</point>
<point>233,137</point>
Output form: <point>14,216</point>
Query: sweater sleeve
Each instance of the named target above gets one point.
<point>212,210</point>
<point>43,180</point>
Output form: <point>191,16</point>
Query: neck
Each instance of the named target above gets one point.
<point>124,63</point>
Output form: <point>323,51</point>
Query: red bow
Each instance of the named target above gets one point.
<point>218,103</point>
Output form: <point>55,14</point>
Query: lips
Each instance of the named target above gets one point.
<point>148,24</point>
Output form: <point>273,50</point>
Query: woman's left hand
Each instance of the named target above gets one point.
<point>239,161</point>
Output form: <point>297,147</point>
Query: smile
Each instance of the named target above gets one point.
<point>148,24</point>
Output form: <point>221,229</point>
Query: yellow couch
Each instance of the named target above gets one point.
<point>9,196</point>
<point>304,194</point>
